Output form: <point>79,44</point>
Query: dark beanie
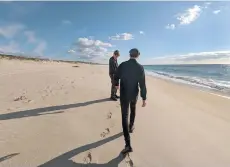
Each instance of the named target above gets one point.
<point>134,52</point>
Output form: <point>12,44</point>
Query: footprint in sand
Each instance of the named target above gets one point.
<point>20,98</point>
<point>129,161</point>
<point>107,130</point>
<point>24,99</point>
<point>48,89</point>
<point>28,101</point>
<point>109,115</point>
<point>104,134</point>
<point>62,86</point>
<point>88,158</point>
<point>44,96</point>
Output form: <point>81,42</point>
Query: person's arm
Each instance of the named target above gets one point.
<point>142,84</point>
<point>112,67</point>
<point>117,75</point>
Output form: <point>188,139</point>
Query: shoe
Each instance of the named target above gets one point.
<point>117,96</point>
<point>127,149</point>
<point>113,98</point>
<point>131,129</point>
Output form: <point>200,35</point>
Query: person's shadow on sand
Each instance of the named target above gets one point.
<point>64,160</point>
<point>7,157</point>
<point>42,111</point>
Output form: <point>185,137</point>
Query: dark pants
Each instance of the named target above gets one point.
<point>125,104</point>
<point>113,88</point>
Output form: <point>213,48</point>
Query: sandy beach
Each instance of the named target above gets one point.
<point>58,115</point>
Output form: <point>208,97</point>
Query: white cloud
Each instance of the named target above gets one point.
<point>91,50</point>
<point>207,4</point>
<point>10,31</point>
<point>216,11</point>
<point>123,36</point>
<point>190,15</point>
<point>66,22</point>
<point>142,32</point>
<point>40,48</point>
<point>71,51</point>
<point>12,47</point>
<point>204,56</point>
<point>170,26</point>
<point>85,42</point>
<point>191,58</point>
<point>30,36</point>
<point>40,44</point>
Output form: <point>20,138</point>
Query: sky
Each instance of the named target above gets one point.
<point>164,32</point>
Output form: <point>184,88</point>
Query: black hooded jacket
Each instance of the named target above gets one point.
<point>131,75</point>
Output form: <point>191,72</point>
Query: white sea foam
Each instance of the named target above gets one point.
<point>223,86</point>
<point>226,97</point>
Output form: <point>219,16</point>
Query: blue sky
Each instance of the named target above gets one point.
<point>164,32</point>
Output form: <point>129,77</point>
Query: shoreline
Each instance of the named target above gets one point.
<point>148,73</point>
<point>190,84</point>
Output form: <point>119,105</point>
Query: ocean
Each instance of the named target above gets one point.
<point>213,76</point>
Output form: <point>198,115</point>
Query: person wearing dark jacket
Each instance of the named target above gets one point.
<point>113,65</point>
<point>131,74</point>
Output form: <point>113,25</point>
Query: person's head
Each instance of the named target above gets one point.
<point>116,54</point>
<point>134,53</point>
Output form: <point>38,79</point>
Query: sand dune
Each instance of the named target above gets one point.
<point>59,114</point>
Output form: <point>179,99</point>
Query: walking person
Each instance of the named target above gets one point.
<point>113,65</point>
<point>131,74</point>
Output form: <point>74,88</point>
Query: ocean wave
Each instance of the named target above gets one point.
<point>223,86</point>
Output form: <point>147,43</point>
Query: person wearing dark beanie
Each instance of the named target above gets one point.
<point>131,74</point>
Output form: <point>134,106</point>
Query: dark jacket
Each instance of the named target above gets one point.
<point>130,74</point>
<point>112,66</point>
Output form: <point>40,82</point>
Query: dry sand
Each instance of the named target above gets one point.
<point>54,114</point>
